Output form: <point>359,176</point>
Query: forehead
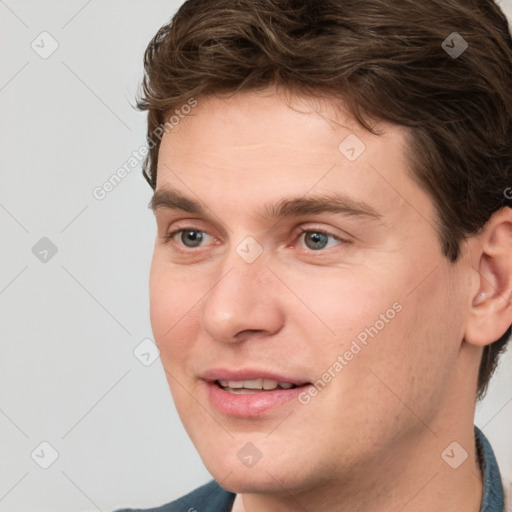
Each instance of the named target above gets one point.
<point>264,144</point>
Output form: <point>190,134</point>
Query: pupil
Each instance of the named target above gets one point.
<point>317,240</point>
<point>191,238</point>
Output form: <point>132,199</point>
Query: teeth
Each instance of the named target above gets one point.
<point>270,384</point>
<point>253,384</point>
<point>265,384</point>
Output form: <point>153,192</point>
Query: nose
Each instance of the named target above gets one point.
<point>243,303</point>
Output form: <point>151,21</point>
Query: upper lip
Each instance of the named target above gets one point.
<point>249,374</point>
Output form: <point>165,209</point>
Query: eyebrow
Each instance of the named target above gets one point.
<point>286,207</point>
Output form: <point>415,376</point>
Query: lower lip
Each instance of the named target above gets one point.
<point>250,405</point>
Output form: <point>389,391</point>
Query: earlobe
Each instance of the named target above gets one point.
<point>491,307</point>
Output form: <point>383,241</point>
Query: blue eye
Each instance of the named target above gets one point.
<point>317,240</point>
<point>312,240</point>
<point>191,237</point>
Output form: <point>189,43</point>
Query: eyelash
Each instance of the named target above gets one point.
<point>168,238</point>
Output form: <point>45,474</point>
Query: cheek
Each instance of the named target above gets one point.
<point>404,364</point>
<point>173,313</point>
<point>416,351</point>
<point>347,302</point>
<point>383,321</point>
<point>173,303</point>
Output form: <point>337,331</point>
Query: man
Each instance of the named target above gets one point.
<point>331,284</point>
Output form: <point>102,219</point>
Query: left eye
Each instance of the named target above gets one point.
<point>317,240</point>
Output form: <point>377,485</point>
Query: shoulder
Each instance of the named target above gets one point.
<point>210,497</point>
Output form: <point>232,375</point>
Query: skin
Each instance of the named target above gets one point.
<point>372,439</point>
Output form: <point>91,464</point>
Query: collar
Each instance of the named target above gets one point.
<point>492,499</point>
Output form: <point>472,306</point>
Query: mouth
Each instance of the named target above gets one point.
<point>250,394</point>
<point>243,387</point>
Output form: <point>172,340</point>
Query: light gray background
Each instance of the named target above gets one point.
<point>69,326</point>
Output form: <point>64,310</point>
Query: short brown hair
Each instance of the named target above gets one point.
<point>385,60</point>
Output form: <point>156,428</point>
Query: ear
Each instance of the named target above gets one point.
<point>491,309</point>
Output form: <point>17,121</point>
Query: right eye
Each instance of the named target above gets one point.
<point>188,237</point>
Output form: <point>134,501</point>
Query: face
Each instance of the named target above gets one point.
<point>293,247</point>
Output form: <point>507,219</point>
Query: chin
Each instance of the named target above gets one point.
<point>267,475</point>
<point>251,481</point>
